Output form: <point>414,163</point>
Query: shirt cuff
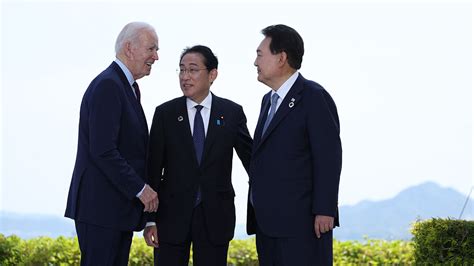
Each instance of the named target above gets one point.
<point>150,224</point>
<point>141,191</point>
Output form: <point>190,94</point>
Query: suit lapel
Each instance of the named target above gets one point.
<point>261,118</point>
<point>291,99</point>
<point>137,107</point>
<point>182,127</point>
<point>213,128</point>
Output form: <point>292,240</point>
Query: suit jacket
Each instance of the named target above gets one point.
<point>295,166</point>
<point>176,174</point>
<point>111,154</point>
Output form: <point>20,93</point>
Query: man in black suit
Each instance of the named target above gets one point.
<point>296,159</point>
<point>108,193</point>
<point>192,139</point>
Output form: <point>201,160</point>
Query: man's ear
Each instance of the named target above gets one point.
<point>283,58</point>
<point>213,75</point>
<point>127,48</point>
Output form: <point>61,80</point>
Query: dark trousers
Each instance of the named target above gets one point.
<point>205,253</point>
<point>303,251</point>
<point>103,246</point>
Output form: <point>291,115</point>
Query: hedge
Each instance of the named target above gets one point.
<point>65,251</point>
<point>443,241</point>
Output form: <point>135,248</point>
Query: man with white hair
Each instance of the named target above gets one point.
<point>108,194</point>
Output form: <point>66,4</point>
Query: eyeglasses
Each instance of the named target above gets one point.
<point>192,71</point>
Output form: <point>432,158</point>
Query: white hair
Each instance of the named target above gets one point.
<point>130,33</point>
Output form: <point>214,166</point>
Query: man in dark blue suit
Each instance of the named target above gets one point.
<point>108,194</point>
<point>296,159</point>
<point>192,141</point>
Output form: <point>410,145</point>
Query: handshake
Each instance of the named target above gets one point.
<point>149,198</point>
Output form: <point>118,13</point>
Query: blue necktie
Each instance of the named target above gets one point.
<point>198,137</point>
<point>272,112</point>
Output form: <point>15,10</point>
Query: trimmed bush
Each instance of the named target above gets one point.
<point>444,241</point>
<point>372,252</point>
<point>243,252</point>
<point>65,251</point>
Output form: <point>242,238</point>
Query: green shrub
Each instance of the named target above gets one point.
<point>140,253</point>
<point>65,251</point>
<point>10,250</point>
<point>242,252</point>
<point>444,241</point>
<point>371,252</point>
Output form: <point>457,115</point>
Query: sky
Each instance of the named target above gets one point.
<point>400,73</point>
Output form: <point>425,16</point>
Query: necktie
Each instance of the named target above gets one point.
<point>198,138</point>
<point>272,112</point>
<point>198,133</point>
<point>137,91</point>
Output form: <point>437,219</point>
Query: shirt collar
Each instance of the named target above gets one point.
<point>285,87</point>
<point>125,70</point>
<point>206,103</point>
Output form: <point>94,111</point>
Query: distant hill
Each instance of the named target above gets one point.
<point>392,218</point>
<point>33,225</point>
<point>386,219</point>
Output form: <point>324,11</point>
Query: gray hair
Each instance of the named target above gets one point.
<point>130,33</point>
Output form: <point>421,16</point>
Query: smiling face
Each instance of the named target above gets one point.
<point>142,53</point>
<point>267,63</point>
<point>194,78</point>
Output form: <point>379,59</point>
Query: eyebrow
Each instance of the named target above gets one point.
<point>192,64</point>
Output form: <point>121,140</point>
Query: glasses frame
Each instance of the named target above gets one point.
<point>191,71</point>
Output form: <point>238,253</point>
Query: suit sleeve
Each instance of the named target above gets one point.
<point>326,150</point>
<point>243,141</point>
<point>105,110</point>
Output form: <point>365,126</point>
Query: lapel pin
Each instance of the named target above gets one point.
<point>220,121</point>
<point>292,103</point>
<point>180,118</point>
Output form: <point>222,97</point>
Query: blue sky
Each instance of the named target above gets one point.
<point>400,73</point>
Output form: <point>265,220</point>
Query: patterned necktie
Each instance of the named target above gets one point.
<point>272,112</point>
<point>198,139</point>
<point>137,91</point>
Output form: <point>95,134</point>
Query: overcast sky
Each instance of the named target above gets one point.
<point>400,74</point>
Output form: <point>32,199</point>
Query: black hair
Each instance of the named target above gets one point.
<point>286,39</point>
<point>210,60</point>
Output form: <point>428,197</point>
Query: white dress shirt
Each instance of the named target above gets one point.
<point>284,89</point>
<point>205,111</point>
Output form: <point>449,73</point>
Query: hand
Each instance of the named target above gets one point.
<point>151,236</point>
<point>323,224</point>
<point>149,198</point>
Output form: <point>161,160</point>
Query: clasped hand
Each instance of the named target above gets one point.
<point>149,198</point>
